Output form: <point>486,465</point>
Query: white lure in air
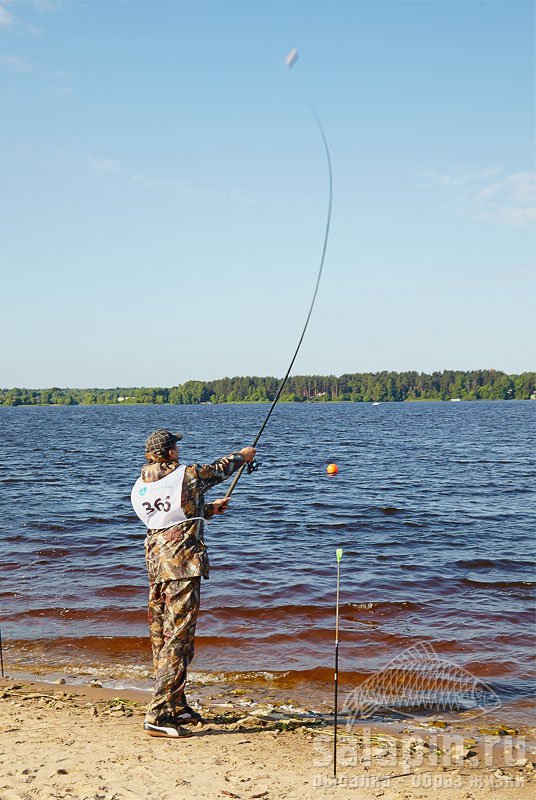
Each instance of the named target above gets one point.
<point>291,58</point>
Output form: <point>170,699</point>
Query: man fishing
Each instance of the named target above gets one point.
<point>169,498</point>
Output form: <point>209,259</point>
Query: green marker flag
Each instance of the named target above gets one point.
<point>338,553</point>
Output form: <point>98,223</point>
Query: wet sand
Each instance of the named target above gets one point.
<point>87,743</point>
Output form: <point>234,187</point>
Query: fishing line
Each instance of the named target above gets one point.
<point>252,468</point>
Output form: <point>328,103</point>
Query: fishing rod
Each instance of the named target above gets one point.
<point>253,466</point>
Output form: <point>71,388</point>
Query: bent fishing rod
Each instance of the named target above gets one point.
<point>252,467</point>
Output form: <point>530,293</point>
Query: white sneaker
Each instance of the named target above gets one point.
<point>166,728</point>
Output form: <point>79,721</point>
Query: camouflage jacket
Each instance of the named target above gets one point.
<point>179,552</point>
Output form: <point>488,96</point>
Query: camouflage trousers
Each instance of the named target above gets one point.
<point>173,610</point>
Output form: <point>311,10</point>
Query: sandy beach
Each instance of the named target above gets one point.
<point>86,743</point>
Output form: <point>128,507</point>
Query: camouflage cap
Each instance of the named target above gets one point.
<point>161,441</point>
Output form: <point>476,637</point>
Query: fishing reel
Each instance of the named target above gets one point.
<point>252,466</point>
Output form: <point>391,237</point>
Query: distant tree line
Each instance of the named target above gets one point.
<point>357,387</point>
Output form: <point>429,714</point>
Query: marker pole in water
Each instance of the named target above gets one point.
<point>338,553</point>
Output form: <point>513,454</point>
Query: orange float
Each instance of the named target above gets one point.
<point>332,469</point>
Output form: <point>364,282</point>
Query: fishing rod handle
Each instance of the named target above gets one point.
<point>235,480</point>
<point>242,468</point>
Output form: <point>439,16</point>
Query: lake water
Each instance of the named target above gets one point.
<point>433,506</point>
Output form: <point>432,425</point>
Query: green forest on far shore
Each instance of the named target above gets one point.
<point>356,387</point>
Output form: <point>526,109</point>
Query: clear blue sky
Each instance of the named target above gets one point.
<point>163,189</point>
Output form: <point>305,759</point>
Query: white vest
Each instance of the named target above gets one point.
<point>158,504</point>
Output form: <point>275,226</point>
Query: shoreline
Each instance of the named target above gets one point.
<point>280,402</point>
<point>87,743</point>
<point>299,688</point>
<point>259,689</point>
